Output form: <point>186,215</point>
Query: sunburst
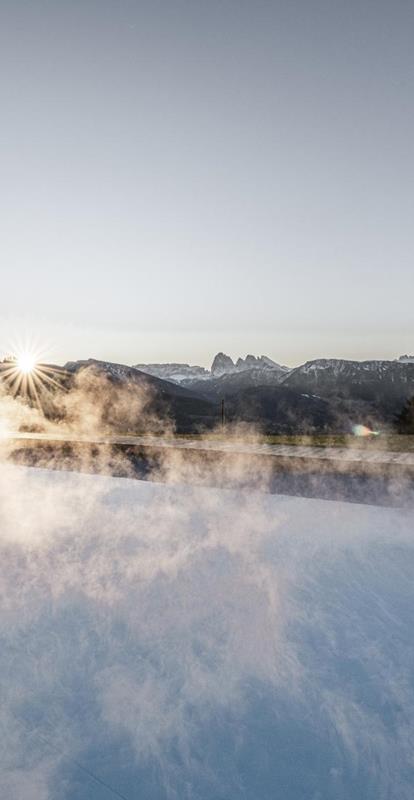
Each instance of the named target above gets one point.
<point>26,363</point>
<point>27,375</point>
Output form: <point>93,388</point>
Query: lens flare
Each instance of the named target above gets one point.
<point>362,430</point>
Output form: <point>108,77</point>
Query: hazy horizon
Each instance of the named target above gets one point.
<point>207,362</point>
<point>115,347</point>
<point>183,178</point>
<point>49,354</point>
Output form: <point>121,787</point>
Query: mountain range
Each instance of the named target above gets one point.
<point>322,395</point>
<point>222,365</point>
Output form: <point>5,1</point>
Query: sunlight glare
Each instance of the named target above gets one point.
<point>26,363</point>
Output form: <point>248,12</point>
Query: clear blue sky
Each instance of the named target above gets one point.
<point>183,177</point>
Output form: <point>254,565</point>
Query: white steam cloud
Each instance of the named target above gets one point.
<point>182,642</point>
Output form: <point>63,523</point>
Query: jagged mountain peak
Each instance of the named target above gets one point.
<point>258,362</point>
<point>222,363</point>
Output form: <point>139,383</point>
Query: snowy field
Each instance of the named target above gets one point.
<point>165,642</point>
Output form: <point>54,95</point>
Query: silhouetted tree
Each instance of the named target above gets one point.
<point>405,420</point>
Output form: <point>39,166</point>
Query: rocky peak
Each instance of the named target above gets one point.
<point>250,362</point>
<point>222,364</point>
<point>257,362</point>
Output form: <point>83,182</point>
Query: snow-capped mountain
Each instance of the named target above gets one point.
<point>174,372</point>
<point>323,394</point>
<point>374,381</point>
<point>121,373</point>
<point>222,365</point>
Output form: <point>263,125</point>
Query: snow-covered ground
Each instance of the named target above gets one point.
<point>164,642</point>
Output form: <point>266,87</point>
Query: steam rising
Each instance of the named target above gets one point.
<point>171,641</point>
<point>201,643</point>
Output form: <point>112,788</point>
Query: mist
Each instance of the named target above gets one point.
<point>174,641</point>
<point>189,609</point>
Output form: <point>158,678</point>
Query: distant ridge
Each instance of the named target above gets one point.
<point>222,365</point>
<point>322,395</point>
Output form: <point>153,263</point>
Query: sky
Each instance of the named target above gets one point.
<point>180,178</point>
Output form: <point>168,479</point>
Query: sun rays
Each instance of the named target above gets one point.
<point>26,375</point>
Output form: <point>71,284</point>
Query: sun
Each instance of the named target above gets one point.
<point>28,376</point>
<point>26,363</point>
